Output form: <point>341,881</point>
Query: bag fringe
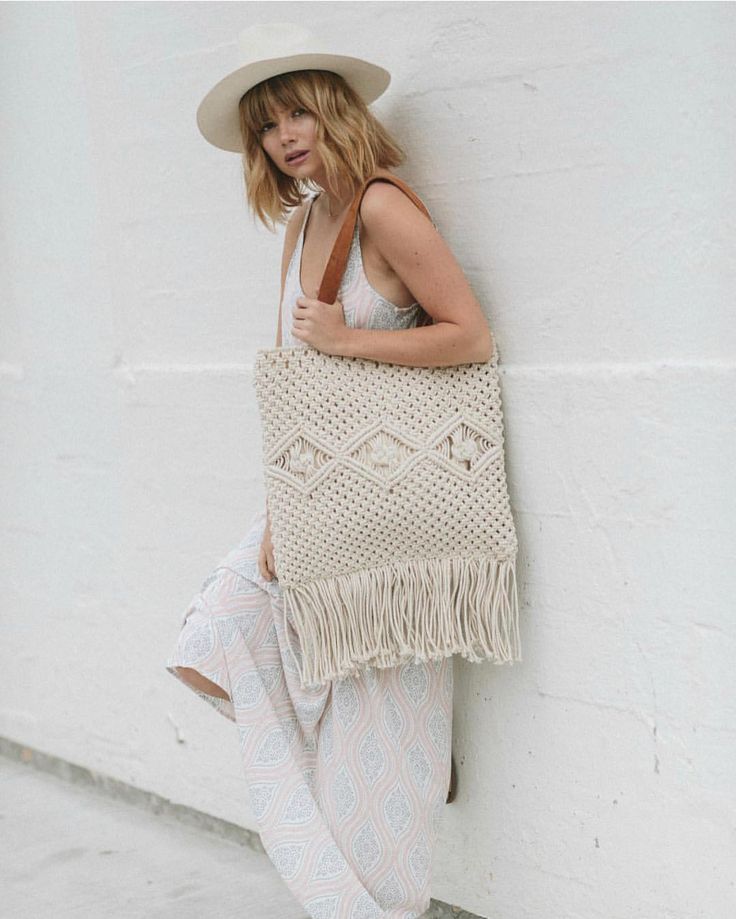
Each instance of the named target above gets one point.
<point>422,609</point>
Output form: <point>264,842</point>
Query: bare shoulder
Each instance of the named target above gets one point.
<point>393,223</point>
<point>384,203</point>
<point>294,222</point>
<point>293,226</point>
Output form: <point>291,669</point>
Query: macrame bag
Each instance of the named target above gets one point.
<point>391,525</point>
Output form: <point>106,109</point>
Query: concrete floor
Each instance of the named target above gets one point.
<point>78,845</point>
<point>69,851</point>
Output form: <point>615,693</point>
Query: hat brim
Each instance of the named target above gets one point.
<point>218,116</point>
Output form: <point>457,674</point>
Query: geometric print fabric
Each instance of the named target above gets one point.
<point>348,781</point>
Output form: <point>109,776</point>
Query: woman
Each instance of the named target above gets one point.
<point>347,781</point>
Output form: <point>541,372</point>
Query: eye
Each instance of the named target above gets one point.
<point>297,111</point>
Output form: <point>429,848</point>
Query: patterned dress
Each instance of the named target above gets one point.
<point>348,781</point>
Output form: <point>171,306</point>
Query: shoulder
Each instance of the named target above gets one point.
<point>296,217</point>
<point>393,222</point>
<point>291,234</point>
<point>294,225</point>
<point>384,205</point>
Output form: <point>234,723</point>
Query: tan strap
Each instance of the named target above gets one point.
<point>338,257</point>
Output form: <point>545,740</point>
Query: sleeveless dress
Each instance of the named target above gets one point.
<point>347,782</point>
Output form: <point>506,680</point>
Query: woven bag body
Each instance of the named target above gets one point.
<point>391,524</point>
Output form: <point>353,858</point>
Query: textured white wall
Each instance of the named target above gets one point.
<point>579,160</point>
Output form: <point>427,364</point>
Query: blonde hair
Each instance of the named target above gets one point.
<point>350,140</point>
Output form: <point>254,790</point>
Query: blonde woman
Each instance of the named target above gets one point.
<point>347,782</point>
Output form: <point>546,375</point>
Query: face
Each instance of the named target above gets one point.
<point>289,131</point>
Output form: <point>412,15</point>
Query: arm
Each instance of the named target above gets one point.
<point>417,253</point>
<point>290,238</point>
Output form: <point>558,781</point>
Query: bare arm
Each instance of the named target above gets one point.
<point>293,227</point>
<point>420,257</point>
<point>290,238</point>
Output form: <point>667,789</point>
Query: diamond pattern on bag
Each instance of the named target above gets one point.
<point>466,448</point>
<point>382,454</point>
<point>300,461</point>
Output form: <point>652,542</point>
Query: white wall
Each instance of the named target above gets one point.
<point>579,160</point>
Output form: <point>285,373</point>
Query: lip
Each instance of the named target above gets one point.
<point>299,153</point>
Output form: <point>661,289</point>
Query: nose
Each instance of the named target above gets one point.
<point>286,130</point>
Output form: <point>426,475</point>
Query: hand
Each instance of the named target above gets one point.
<point>321,325</point>
<point>266,564</point>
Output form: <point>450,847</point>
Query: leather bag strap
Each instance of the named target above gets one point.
<point>338,257</point>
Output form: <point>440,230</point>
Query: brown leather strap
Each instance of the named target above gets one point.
<point>339,255</point>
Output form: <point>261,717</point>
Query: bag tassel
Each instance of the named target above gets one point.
<point>384,616</point>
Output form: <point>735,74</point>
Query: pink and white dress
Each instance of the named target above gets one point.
<point>347,782</point>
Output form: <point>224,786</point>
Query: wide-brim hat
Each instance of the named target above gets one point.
<point>268,50</point>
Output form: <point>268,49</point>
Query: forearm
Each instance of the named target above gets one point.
<point>442,344</point>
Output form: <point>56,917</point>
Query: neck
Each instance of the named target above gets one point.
<point>337,200</point>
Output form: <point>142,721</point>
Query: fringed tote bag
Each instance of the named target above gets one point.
<point>391,525</point>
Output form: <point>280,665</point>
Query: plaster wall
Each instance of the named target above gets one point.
<point>578,158</point>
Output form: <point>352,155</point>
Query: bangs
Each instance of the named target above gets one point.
<point>259,104</point>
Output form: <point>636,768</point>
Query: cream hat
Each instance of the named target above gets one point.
<point>268,50</point>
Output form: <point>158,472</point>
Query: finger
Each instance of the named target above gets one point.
<point>263,564</point>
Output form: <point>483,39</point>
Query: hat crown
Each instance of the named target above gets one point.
<point>276,39</point>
